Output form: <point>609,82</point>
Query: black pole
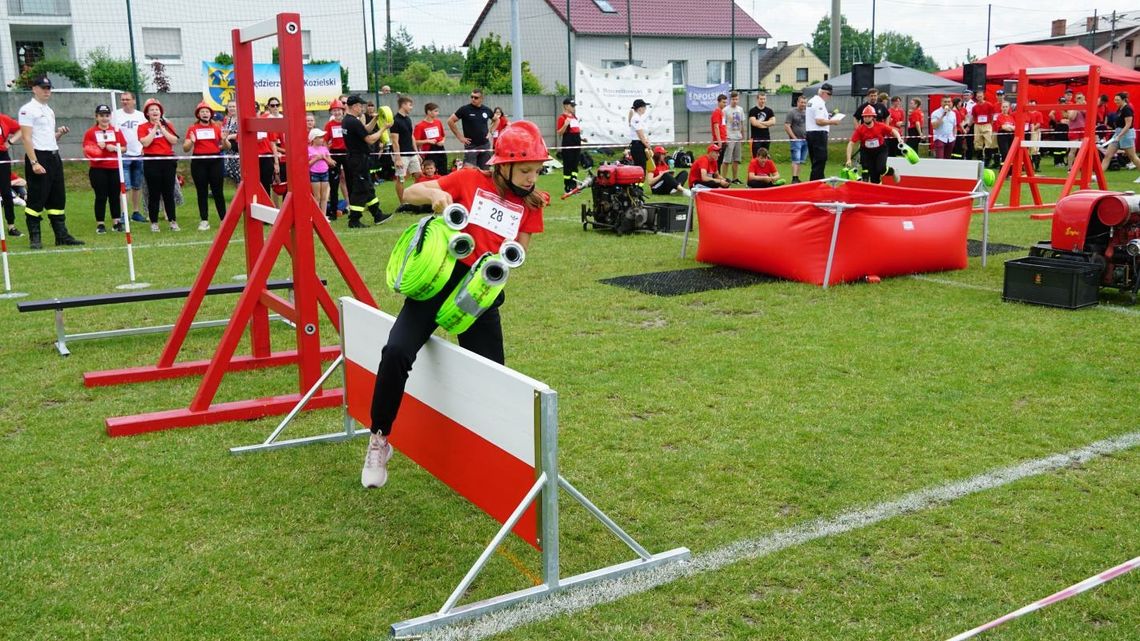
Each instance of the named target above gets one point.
<point>134,64</point>
<point>569,58</point>
<point>376,61</point>
<point>732,49</point>
<point>367,56</point>
<point>629,31</point>
<point>388,39</point>
<point>989,14</point>
<point>873,59</point>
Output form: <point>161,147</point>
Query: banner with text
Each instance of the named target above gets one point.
<point>605,98</point>
<point>703,98</point>
<point>322,84</point>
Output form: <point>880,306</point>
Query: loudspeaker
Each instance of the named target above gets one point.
<point>974,76</point>
<point>862,78</point>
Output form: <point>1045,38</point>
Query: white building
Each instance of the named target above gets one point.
<point>178,34</point>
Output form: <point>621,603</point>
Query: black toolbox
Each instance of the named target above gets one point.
<point>1055,282</point>
<point>669,217</point>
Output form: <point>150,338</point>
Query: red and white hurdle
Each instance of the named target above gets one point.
<point>490,433</point>
<point>8,293</point>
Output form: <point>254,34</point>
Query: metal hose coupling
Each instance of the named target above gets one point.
<point>455,215</point>
<point>460,245</point>
<point>512,253</point>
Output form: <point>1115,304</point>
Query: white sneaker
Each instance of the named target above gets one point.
<point>375,470</point>
<point>154,227</point>
<point>204,225</point>
<point>688,192</point>
<point>17,201</point>
<point>174,226</point>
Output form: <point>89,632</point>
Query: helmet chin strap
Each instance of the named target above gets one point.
<point>515,189</point>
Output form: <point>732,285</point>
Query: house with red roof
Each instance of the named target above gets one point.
<point>694,38</point>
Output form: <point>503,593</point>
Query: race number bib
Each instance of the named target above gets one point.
<point>573,123</point>
<point>261,135</point>
<point>431,133</point>
<point>105,136</point>
<point>205,134</point>
<point>496,214</point>
<point>983,120</point>
<point>872,144</point>
<point>338,132</point>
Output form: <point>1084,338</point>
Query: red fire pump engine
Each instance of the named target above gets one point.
<point>619,200</point>
<point>1100,229</point>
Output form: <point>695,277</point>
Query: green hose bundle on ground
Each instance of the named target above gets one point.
<point>424,257</point>
<point>474,294</point>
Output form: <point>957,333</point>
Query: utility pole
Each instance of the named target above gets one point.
<point>375,60</point>
<point>134,64</point>
<point>516,62</point>
<point>388,40</point>
<point>732,49</point>
<point>836,19</point>
<point>629,32</point>
<point>1112,39</point>
<point>989,14</point>
<point>569,58</point>
<point>368,72</point>
<point>873,59</point>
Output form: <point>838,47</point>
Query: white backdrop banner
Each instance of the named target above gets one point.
<point>605,97</point>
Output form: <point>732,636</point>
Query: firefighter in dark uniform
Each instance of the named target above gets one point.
<point>358,138</point>
<point>43,167</point>
<point>571,131</point>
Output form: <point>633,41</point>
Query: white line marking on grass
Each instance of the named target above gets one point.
<point>1107,307</point>
<point>574,600</point>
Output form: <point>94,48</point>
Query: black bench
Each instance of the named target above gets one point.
<point>60,304</point>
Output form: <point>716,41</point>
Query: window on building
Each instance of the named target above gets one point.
<point>162,44</point>
<point>1128,48</point>
<point>306,45</point>
<point>28,53</point>
<point>777,77</point>
<point>617,64</point>
<point>678,72</point>
<point>801,74</point>
<point>604,6</point>
<point>719,71</point>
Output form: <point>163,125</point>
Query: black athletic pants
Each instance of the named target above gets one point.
<point>105,182</point>
<point>413,327</point>
<point>570,160</point>
<point>874,163</point>
<point>668,183</point>
<point>207,175</point>
<point>637,152</point>
<point>817,153</point>
<point>361,190</point>
<point>758,184</point>
<point>335,172</point>
<point>46,193</point>
<point>6,188</point>
<point>160,174</point>
<point>265,173</point>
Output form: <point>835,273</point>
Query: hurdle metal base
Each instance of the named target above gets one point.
<point>217,413</point>
<point>149,373</point>
<point>417,626</point>
<point>7,295</point>
<point>129,286</point>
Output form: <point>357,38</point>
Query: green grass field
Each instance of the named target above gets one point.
<point>698,420</point>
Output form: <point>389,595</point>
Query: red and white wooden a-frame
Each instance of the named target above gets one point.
<point>1018,166</point>
<point>291,228</point>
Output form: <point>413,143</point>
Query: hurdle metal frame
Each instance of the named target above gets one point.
<point>545,488</point>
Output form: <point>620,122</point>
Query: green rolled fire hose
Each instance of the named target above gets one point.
<point>424,257</point>
<point>474,294</point>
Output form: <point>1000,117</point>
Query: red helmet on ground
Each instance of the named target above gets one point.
<point>868,111</point>
<point>521,141</point>
<point>659,149</point>
<point>336,104</point>
<point>154,101</point>
<point>201,105</point>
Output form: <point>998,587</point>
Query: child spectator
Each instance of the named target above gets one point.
<point>664,182</point>
<point>762,171</point>
<point>320,162</point>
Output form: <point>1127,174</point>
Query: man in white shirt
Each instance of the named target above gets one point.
<point>817,125</point>
<point>43,167</point>
<point>127,120</point>
<point>734,119</point>
<point>943,124</point>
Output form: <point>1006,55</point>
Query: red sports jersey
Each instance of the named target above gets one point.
<point>91,149</point>
<point>984,113</point>
<point>705,163</point>
<point>160,146</point>
<point>765,167</point>
<point>1002,120</point>
<point>914,119</point>
<point>572,129</point>
<point>897,117</point>
<point>660,168</point>
<point>716,124</point>
<point>475,190</point>
<point>423,178</point>
<point>334,134</point>
<point>265,141</point>
<point>207,139</point>
<point>872,137</point>
<point>8,126</point>
<point>432,131</point>
<point>960,112</point>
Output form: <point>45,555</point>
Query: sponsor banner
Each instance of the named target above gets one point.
<point>605,98</point>
<point>322,84</point>
<point>703,98</point>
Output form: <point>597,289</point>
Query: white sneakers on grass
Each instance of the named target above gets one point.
<point>154,228</point>
<point>174,226</point>
<point>375,470</point>
<point>203,225</point>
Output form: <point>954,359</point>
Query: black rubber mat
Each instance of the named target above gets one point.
<point>689,281</point>
<point>974,248</point>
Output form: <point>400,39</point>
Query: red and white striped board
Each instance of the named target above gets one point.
<point>935,173</point>
<point>470,422</point>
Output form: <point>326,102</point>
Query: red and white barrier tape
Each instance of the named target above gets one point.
<point>1087,584</point>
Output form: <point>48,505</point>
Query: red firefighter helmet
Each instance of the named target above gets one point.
<point>868,111</point>
<point>521,141</point>
<point>336,104</point>
<point>202,105</point>
<point>153,101</point>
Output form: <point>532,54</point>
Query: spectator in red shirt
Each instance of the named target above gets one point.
<point>985,143</point>
<point>499,122</point>
<point>762,171</point>
<point>914,123</point>
<point>160,168</point>
<point>896,118</point>
<point>429,135</point>
<point>1035,122</point>
<point>503,205</point>
<point>569,129</point>
<point>204,138</point>
<point>872,135</point>
<point>334,133</point>
<point>1005,126</point>
<point>102,145</point>
<point>704,170</point>
<point>719,126</point>
<point>9,133</point>
<point>663,181</point>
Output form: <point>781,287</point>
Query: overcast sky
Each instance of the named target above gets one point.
<point>944,28</point>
